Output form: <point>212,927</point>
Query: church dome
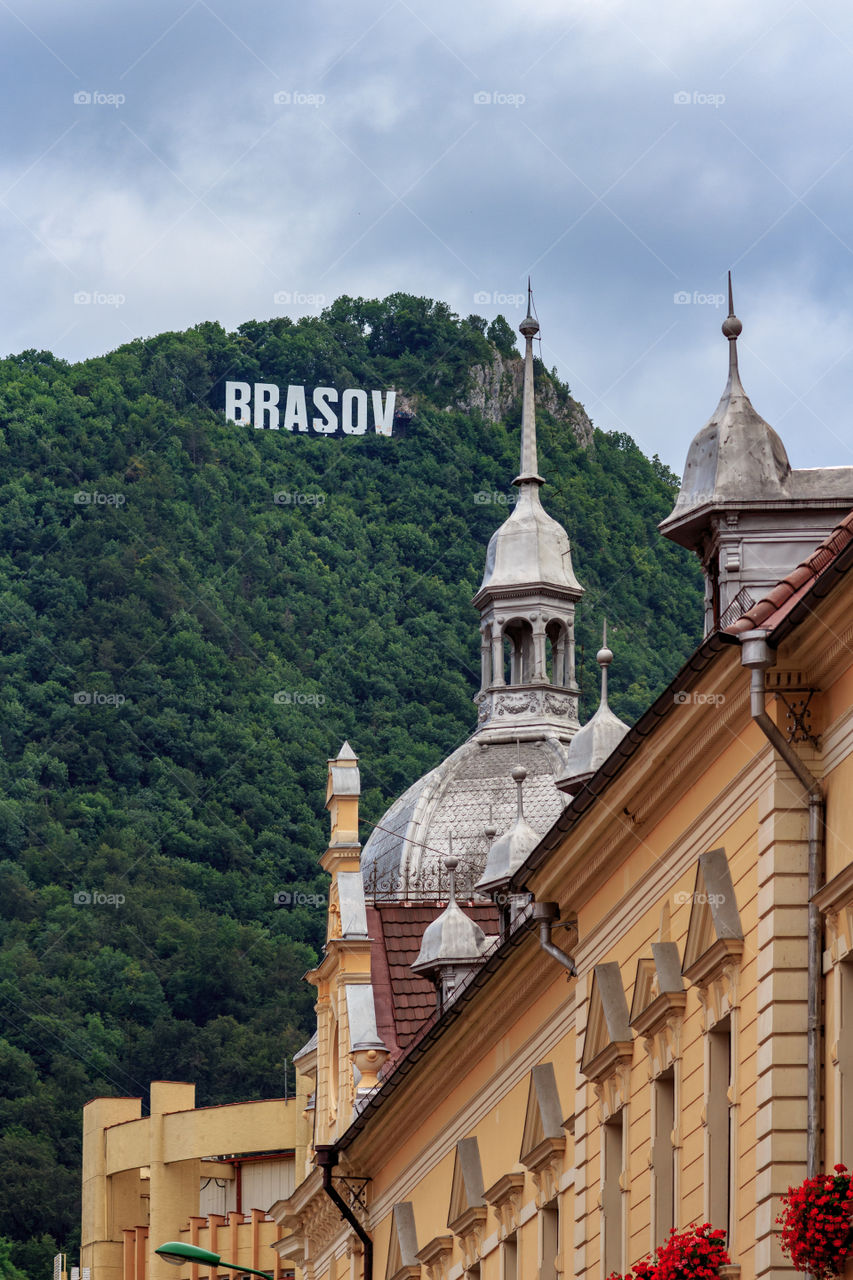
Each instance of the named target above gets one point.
<point>469,791</point>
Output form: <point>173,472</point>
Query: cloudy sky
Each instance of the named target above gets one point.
<point>184,160</point>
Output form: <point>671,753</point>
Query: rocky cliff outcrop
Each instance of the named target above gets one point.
<point>495,388</point>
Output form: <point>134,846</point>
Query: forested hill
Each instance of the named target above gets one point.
<point>181,653</point>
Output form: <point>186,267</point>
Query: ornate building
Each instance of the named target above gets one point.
<point>629,1037</point>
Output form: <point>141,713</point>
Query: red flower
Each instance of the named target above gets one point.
<point>694,1254</point>
<point>817,1223</point>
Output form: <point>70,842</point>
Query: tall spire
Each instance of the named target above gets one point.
<point>529,473</point>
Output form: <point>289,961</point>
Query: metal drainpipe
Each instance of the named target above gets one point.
<point>327,1158</point>
<point>545,914</point>
<point>757,655</point>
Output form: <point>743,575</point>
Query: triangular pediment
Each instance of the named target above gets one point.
<point>403,1246</point>
<point>645,986</point>
<point>543,1118</point>
<point>715,925</point>
<point>657,976</point>
<point>608,1038</point>
<point>466,1191</point>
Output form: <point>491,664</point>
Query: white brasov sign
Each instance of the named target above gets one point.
<point>259,405</point>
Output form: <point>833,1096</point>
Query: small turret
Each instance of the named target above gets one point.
<point>599,737</point>
<point>452,944</point>
<point>746,514</point>
<point>511,849</point>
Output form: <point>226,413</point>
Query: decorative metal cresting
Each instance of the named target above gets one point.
<point>429,884</point>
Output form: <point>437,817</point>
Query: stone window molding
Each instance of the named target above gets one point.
<point>714,946</point>
<point>505,1197</point>
<point>835,903</point>
<point>437,1256</point>
<point>608,1048</point>
<point>403,1262</point>
<point>657,1009</point>
<point>543,1141</point>
<point>468,1211</point>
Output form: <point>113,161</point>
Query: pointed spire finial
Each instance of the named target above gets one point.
<point>518,775</point>
<point>451,862</point>
<point>732,328</point>
<point>604,657</point>
<point>529,473</point>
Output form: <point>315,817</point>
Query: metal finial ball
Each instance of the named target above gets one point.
<point>490,833</point>
<point>604,657</point>
<point>732,327</point>
<point>519,773</point>
<point>451,863</point>
<point>529,327</point>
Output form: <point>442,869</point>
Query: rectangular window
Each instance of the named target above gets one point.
<point>509,1258</point>
<point>613,1139</point>
<point>718,1122</point>
<point>549,1217</point>
<point>663,1155</point>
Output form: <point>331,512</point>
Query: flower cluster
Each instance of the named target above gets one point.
<point>694,1254</point>
<point>817,1223</point>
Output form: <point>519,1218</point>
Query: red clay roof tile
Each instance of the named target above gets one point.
<point>773,607</point>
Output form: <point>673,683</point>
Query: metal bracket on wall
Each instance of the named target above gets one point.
<point>798,715</point>
<point>356,1190</point>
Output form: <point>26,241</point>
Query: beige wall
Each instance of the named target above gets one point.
<point>142,1175</point>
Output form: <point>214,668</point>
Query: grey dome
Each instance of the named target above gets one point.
<point>469,791</point>
<point>530,548</point>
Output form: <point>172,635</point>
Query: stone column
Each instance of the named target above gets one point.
<point>497,656</point>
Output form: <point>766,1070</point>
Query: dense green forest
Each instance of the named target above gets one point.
<point>145,632</point>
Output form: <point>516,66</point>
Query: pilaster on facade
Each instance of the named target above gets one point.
<point>782,993</point>
<point>657,1014</point>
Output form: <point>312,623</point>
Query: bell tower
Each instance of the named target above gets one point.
<point>527,603</point>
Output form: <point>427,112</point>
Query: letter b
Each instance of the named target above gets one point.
<point>238,403</point>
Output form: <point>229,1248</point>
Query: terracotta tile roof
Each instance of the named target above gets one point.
<point>772,608</point>
<point>405,1000</point>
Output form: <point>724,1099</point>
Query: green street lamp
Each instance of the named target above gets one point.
<point>179,1254</point>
